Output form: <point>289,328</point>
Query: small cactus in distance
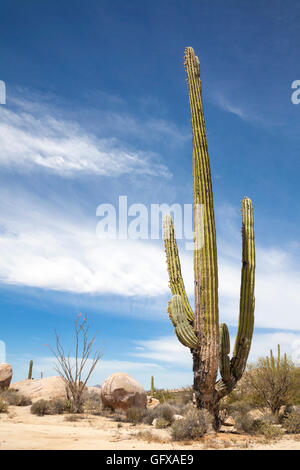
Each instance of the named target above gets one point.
<point>30,370</point>
<point>152,386</point>
<point>199,330</point>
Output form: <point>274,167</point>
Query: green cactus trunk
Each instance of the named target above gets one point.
<point>209,344</point>
<point>30,370</point>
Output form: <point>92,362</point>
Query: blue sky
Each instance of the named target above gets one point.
<point>97,107</point>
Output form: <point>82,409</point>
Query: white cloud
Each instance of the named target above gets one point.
<point>41,247</point>
<point>46,250</point>
<point>166,349</point>
<point>30,138</point>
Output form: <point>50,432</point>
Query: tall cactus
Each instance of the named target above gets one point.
<point>200,331</point>
<point>30,370</point>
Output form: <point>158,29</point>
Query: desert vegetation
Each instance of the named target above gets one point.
<point>81,364</point>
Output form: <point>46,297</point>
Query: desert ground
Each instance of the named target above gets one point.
<point>19,429</point>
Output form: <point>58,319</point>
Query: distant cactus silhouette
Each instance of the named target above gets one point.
<point>152,386</point>
<point>30,370</point>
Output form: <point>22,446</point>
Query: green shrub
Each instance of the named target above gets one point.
<point>40,408</point>
<point>269,430</point>
<point>162,423</point>
<point>3,406</point>
<point>292,422</point>
<point>135,415</point>
<point>193,426</point>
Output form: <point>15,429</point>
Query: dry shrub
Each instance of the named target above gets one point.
<point>56,407</point>
<point>292,422</point>
<point>93,404</point>
<point>165,412</point>
<point>193,426</point>
<point>162,423</point>
<point>263,426</point>
<point>3,406</point>
<point>135,415</point>
<point>13,398</point>
<point>51,407</point>
<point>40,408</point>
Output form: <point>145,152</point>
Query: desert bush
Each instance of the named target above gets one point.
<point>193,426</point>
<point>260,426</point>
<point>292,422</point>
<point>13,398</point>
<point>135,415</point>
<point>238,407</point>
<point>270,382</point>
<point>56,407</point>
<point>40,408</point>
<point>245,423</point>
<point>93,404</point>
<point>176,398</point>
<point>270,431</point>
<point>3,406</point>
<point>162,423</point>
<point>163,395</point>
<point>161,411</point>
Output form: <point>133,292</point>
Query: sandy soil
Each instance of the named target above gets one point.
<point>19,429</point>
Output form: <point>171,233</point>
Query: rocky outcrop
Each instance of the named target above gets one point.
<point>6,374</point>
<point>121,391</point>
<point>49,388</point>
<point>152,403</point>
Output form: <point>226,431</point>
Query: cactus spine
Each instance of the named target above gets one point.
<point>200,331</point>
<point>30,370</point>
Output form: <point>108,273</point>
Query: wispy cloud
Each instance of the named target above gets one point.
<point>33,136</point>
<point>227,105</point>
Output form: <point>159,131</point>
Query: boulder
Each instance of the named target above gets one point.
<point>178,417</point>
<point>152,403</point>
<point>5,375</point>
<point>48,388</point>
<point>255,414</point>
<point>120,391</point>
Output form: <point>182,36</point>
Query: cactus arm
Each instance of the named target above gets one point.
<point>205,254</point>
<point>247,301</point>
<point>183,329</point>
<point>224,361</point>
<point>246,317</point>
<point>174,268</point>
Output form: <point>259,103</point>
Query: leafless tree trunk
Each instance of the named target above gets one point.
<point>76,370</point>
